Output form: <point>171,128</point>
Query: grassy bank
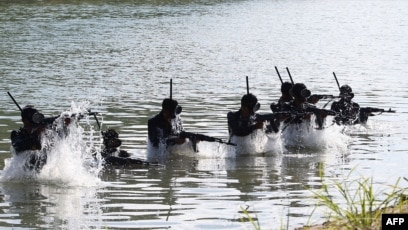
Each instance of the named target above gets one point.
<point>355,204</point>
<point>351,204</point>
<point>340,224</point>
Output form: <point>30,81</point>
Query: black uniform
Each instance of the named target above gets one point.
<point>111,144</point>
<point>111,159</point>
<point>22,140</point>
<point>239,126</point>
<point>160,131</point>
<point>348,112</point>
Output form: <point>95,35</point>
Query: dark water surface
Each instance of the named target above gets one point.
<point>119,56</point>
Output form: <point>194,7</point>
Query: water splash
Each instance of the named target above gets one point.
<point>305,135</point>
<point>256,143</point>
<point>158,154</point>
<point>301,136</point>
<point>215,150</point>
<point>69,151</point>
<point>205,149</point>
<point>259,142</point>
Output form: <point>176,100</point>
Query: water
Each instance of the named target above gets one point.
<point>119,57</point>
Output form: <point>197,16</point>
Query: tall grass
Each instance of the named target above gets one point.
<point>248,218</point>
<point>362,206</point>
<point>352,203</point>
<point>255,222</point>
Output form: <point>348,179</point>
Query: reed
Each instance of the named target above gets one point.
<point>255,223</point>
<point>248,218</point>
<point>352,204</point>
<point>362,206</point>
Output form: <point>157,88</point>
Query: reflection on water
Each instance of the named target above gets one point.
<point>118,56</point>
<point>185,189</point>
<point>48,206</point>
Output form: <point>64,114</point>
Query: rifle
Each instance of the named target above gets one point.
<point>247,85</point>
<point>46,121</point>
<point>272,116</point>
<point>15,102</point>
<point>324,96</point>
<point>194,137</point>
<point>365,112</point>
<point>347,96</point>
<point>277,71</point>
<point>40,119</point>
<point>376,110</point>
<point>37,118</point>
<point>316,111</point>
<point>290,76</point>
<point>96,119</point>
<point>335,77</point>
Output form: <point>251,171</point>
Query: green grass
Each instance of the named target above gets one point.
<point>361,207</point>
<point>254,221</point>
<point>352,203</point>
<point>248,218</point>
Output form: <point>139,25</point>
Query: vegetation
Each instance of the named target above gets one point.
<point>247,218</point>
<point>363,206</point>
<point>352,203</point>
<point>254,221</point>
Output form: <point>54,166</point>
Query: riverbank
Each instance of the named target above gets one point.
<point>344,225</point>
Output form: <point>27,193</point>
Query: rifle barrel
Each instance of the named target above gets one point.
<point>203,137</point>
<point>290,76</point>
<point>171,88</point>
<point>97,121</point>
<point>324,96</point>
<point>335,77</point>
<point>247,84</point>
<point>376,110</point>
<point>15,102</point>
<point>277,71</point>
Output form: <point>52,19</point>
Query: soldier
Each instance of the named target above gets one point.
<point>111,153</point>
<point>243,122</point>
<point>301,106</point>
<point>165,127</point>
<point>348,111</point>
<point>285,99</point>
<point>29,137</point>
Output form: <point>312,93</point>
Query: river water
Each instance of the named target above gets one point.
<point>117,58</point>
